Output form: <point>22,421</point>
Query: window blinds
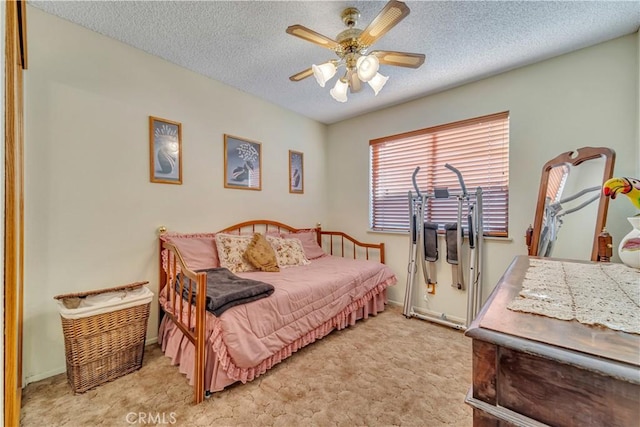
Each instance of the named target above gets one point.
<point>478,147</point>
<point>557,179</point>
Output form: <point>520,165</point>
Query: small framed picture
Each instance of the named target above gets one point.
<point>242,163</point>
<point>165,151</point>
<point>296,172</point>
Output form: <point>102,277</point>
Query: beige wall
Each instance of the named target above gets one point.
<point>91,212</point>
<point>586,98</point>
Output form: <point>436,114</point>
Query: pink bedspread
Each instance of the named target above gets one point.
<point>308,303</point>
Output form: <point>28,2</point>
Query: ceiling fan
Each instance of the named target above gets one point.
<point>351,46</point>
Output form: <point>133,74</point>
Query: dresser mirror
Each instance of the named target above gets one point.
<point>571,210</point>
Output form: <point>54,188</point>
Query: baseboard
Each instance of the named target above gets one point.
<point>43,375</point>
<point>61,370</point>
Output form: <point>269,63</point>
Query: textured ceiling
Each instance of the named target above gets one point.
<point>244,44</point>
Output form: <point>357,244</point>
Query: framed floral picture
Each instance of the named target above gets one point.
<point>242,163</point>
<point>296,172</point>
<point>165,151</point>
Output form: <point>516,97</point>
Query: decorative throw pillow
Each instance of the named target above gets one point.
<point>231,249</point>
<point>198,251</point>
<point>289,252</point>
<point>261,255</point>
<point>309,243</point>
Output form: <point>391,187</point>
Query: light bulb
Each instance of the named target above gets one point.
<point>378,82</point>
<point>323,72</point>
<point>339,91</point>
<point>367,67</point>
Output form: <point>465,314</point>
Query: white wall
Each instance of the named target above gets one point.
<point>91,212</point>
<point>586,98</point>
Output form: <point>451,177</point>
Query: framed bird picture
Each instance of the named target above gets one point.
<point>165,151</point>
<point>242,163</point>
<point>296,172</point>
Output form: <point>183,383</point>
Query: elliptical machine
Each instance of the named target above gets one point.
<point>423,247</point>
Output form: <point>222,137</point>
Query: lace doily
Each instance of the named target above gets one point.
<point>604,294</point>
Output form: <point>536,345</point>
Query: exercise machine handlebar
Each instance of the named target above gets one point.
<point>457,172</point>
<point>580,193</point>
<point>415,183</point>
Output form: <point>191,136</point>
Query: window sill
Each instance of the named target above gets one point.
<point>406,233</point>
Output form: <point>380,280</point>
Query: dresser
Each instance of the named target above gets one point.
<point>532,370</point>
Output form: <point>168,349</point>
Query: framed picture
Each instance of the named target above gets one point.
<point>296,172</point>
<point>165,151</point>
<point>242,163</point>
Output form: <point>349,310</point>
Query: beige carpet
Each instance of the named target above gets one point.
<point>384,371</point>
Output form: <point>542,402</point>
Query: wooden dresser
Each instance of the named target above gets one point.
<point>531,370</point>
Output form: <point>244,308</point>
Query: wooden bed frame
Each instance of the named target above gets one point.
<point>192,320</point>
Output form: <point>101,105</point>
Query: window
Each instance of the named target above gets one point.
<point>478,148</point>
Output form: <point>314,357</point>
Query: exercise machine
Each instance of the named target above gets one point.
<point>553,217</point>
<point>423,247</point>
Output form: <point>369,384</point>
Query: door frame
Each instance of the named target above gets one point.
<point>15,63</point>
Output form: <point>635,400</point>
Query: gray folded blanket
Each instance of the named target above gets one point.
<point>226,290</point>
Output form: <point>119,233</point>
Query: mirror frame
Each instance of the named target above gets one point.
<point>574,158</point>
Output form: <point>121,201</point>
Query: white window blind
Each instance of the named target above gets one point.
<point>478,148</point>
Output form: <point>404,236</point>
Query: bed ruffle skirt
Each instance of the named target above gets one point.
<point>220,370</point>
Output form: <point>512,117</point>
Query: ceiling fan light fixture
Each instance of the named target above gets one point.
<point>351,47</point>
<point>378,82</point>
<point>339,91</point>
<point>324,72</point>
<point>367,67</point>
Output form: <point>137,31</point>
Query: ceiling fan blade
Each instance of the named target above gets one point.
<point>301,75</point>
<point>394,12</point>
<point>354,81</point>
<point>399,59</point>
<point>311,36</point>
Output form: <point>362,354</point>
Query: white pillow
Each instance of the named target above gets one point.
<point>231,249</point>
<point>289,252</point>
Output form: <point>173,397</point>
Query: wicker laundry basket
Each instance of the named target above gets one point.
<point>104,333</point>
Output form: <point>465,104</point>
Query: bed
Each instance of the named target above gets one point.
<point>328,281</point>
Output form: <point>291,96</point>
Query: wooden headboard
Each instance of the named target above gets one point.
<point>260,226</point>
